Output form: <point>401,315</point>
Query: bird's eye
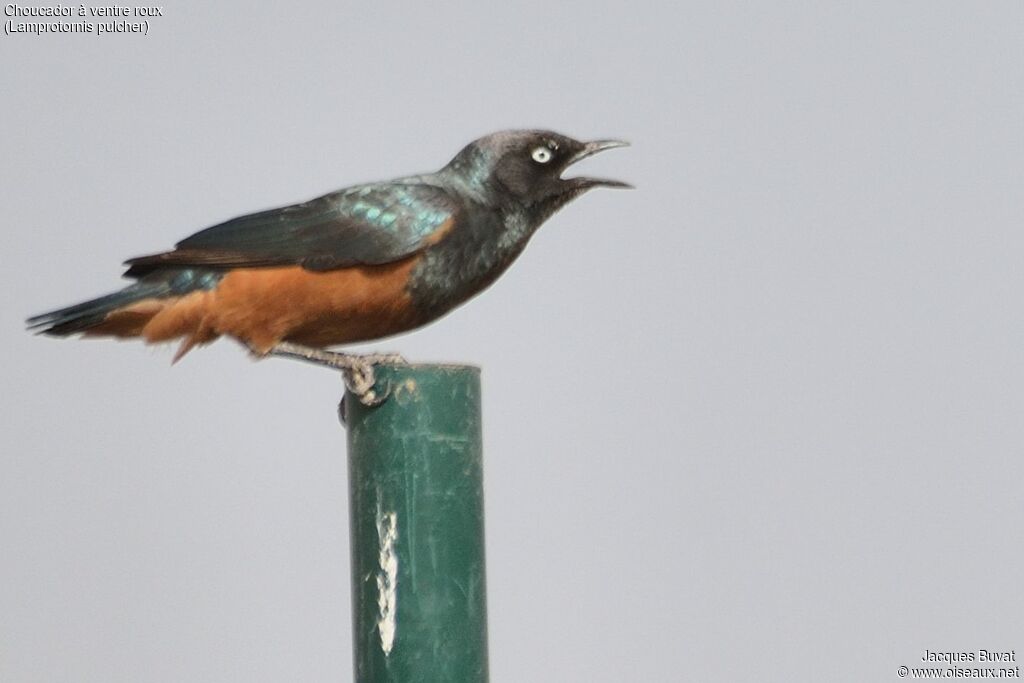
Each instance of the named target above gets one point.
<point>541,155</point>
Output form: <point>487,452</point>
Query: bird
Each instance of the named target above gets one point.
<point>354,265</point>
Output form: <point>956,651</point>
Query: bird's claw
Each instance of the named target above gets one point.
<point>357,371</point>
<point>360,380</point>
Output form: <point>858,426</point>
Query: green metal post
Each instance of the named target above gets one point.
<point>417,528</point>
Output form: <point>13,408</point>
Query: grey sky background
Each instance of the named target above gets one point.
<point>758,419</point>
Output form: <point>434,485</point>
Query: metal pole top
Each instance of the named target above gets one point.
<point>417,527</point>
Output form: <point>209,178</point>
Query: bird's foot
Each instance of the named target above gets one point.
<point>356,369</point>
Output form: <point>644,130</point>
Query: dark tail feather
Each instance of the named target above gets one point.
<point>81,317</point>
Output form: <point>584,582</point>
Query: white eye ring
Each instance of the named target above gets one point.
<point>541,155</point>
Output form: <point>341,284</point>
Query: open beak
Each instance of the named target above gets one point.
<point>589,150</point>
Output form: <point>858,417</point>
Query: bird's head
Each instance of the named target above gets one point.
<point>527,166</point>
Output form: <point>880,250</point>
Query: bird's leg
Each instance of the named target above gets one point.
<point>356,369</point>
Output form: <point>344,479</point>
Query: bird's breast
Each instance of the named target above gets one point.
<point>471,255</point>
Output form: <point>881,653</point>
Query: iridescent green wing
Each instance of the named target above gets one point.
<point>368,224</point>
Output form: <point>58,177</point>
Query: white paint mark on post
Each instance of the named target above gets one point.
<point>387,579</point>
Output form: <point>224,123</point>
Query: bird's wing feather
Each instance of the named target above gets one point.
<point>369,224</point>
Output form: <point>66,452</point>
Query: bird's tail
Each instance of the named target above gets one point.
<point>157,307</point>
<point>89,314</point>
